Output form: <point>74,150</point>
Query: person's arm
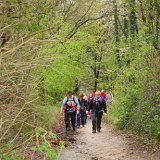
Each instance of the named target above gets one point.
<point>86,105</point>
<point>112,97</point>
<point>104,106</point>
<point>63,104</point>
<point>106,97</point>
<point>90,104</point>
<point>103,99</point>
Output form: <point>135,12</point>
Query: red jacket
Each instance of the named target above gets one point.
<point>104,95</point>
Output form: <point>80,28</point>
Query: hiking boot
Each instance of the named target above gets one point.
<point>74,128</point>
<point>94,131</point>
<point>98,130</point>
<point>67,127</point>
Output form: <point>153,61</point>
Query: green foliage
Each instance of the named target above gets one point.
<point>38,65</point>
<point>136,105</point>
<point>54,46</point>
<point>46,115</point>
<point>11,155</point>
<point>45,145</point>
<point>136,82</point>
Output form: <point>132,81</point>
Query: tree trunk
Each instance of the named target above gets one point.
<point>156,41</point>
<point>76,88</point>
<point>116,27</point>
<point>133,18</point>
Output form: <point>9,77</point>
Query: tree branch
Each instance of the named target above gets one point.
<point>75,29</point>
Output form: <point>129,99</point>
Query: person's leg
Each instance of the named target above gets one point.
<point>66,119</point>
<point>109,104</point>
<point>73,120</point>
<point>94,122</point>
<point>85,118</point>
<point>82,118</point>
<point>99,118</point>
<point>78,120</point>
<point>90,115</point>
<point>69,121</point>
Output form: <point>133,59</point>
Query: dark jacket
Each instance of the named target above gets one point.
<point>98,104</point>
<point>83,104</point>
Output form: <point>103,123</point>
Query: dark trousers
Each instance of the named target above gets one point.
<point>96,120</point>
<point>67,118</point>
<point>85,119</point>
<point>81,118</point>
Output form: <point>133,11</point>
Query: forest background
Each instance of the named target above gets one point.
<point>48,47</point>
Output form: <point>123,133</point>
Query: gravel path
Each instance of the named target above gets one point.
<point>106,145</point>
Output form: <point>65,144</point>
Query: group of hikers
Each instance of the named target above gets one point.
<point>76,110</point>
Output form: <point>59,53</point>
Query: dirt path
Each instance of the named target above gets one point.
<point>106,145</point>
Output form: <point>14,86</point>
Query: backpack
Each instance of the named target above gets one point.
<point>82,104</point>
<point>97,103</point>
<point>71,108</point>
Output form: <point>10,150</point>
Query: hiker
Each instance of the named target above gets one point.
<point>98,107</point>
<point>109,98</point>
<point>81,116</point>
<point>70,106</point>
<point>90,100</point>
<point>87,108</point>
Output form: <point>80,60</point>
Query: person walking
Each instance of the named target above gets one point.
<point>70,106</point>
<point>81,116</point>
<point>109,98</point>
<point>87,108</point>
<point>97,109</point>
<point>90,103</point>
